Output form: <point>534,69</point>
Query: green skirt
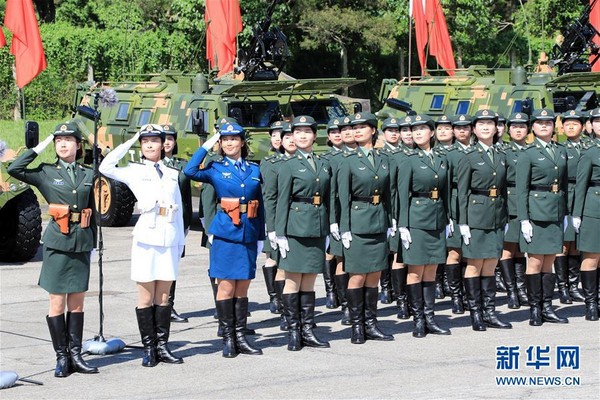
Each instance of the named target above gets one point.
<point>64,272</point>
<point>588,239</point>
<point>513,233</point>
<point>547,238</point>
<point>306,255</point>
<point>454,241</point>
<point>335,247</point>
<point>367,253</point>
<point>569,234</point>
<point>484,243</point>
<point>427,247</point>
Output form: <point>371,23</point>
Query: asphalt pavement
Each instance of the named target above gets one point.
<point>552,361</point>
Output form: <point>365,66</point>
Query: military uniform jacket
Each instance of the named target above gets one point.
<point>185,188</point>
<point>297,179</point>
<point>56,186</point>
<point>151,192</point>
<point>537,168</point>
<point>453,155</point>
<point>228,182</point>
<point>334,157</point>
<point>573,155</point>
<point>417,175</point>
<point>357,177</point>
<point>477,172</point>
<point>395,157</point>
<point>587,197</point>
<point>512,157</point>
<point>269,169</point>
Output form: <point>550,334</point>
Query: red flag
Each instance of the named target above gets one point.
<point>26,42</point>
<point>439,38</point>
<point>595,21</point>
<point>2,38</point>
<point>223,22</point>
<point>420,31</point>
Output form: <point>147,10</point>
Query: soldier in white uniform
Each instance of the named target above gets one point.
<point>158,236</point>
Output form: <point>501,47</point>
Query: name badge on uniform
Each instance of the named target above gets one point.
<point>226,175</point>
<point>87,184</point>
<point>302,170</point>
<point>58,182</point>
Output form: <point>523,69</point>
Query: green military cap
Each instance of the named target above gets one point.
<point>443,119</point>
<point>287,128</point>
<point>422,119</point>
<point>595,113</point>
<point>484,114</point>
<point>304,120</point>
<point>149,130</point>
<point>518,118</point>
<point>405,121</point>
<point>461,120</point>
<point>573,114</point>
<point>68,129</point>
<point>391,122</point>
<point>346,121</point>
<point>500,118</point>
<point>334,123</point>
<point>364,118</point>
<point>169,130</point>
<point>544,114</point>
<point>276,125</point>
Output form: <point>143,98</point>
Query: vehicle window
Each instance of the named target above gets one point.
<point>254,114</point>
<point>144,117</point>
<point>321,110</point>
<point>517,106</point>
<point>123,112</point>
<point>462,107</point>
<point>437,102</point>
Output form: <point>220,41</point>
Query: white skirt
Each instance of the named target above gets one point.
<point>154,263</point>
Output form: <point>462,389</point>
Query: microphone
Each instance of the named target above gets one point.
<point>107,97</point>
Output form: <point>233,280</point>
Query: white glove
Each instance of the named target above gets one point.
<point>392,231</point>
<point>405,237</point>
<point>209,144</point>
<point>565,223</point>
<point>450,228</point>
<point>527,230</point>
<point>465,232</point>
<point>335,231</point>
<point>284,246</point>
<point>43,144</point>
<point>576,223</point>
<point>505,229</point>
<point>210,238</point>
<point>272,239</point>
<point>346,239</point>
<point>327,244</point>
<point>260,245</point>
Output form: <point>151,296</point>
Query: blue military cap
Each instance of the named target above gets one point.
<point>231,129</point>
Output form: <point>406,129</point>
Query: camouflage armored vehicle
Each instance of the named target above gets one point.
<point>563,83</point>
<point>20,215</point>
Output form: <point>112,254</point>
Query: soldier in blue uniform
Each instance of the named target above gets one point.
<point>568,261</point>
<point>237,228</point>
<point>67,241</point>
<point>481,219</point>
<point>423,188</point>
<point>586,217</point>
<point>542,184</point>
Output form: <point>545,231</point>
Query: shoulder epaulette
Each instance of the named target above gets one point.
<point>469,149</point>
<point>349,154</point>
<point>252,163</point>
<point>531,146</point>
<point>559,144</point>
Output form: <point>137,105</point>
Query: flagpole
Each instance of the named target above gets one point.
<point>409,40</point>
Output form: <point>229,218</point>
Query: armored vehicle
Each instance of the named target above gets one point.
<point>20,214</point>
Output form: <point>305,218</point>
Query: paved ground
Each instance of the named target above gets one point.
<point>462,365</point>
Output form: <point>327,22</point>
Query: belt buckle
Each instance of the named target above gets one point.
<point>376,199</point>
<point>554,188</point>
<point>75,217</point>
<point>316,200</point>
<point>243,208</point>
<point>435,194</point>
<point>493,192</point>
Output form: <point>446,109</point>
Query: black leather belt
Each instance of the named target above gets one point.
<point>594,184</point>
<point>554,188</point>
<point>314,200</point>
<point>376,199</point>
<point>454,185</point>
<point>434,194</point>
<point>493,192</point>
<point>572,180</point>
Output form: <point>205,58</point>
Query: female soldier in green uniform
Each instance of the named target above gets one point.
<point>424,224</point>
<point>68,240</point>
<point>365,221</point>
<point>541,206</point>
<point>512,262</point>
<point>481,218</point>
<point>586,217</point>
<point>301,225</point>
<point>567,262</point>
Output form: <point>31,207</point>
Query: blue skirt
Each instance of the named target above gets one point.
<point>231,260</point>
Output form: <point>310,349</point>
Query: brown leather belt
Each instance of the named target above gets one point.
<point>493,192</point>
<point>375,199</point>
<point>433,194</point>
<point>314,200</point>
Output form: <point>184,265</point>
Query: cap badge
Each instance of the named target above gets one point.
<point>544,112</point>
<point>335,121</point>
<point>63,128</point>
<point>229,128</point>
<point>407,119</point>
<point>461,118</point>
<point>484,112</point>
<point>518,115</point>
<point>418,118</point>
<point>393,121</point>
<point>572,112</point>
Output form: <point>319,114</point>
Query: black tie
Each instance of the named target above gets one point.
<point>158,171</point>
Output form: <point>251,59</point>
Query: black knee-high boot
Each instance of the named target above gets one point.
<point>227,321</point>
<point>439,282</point>
<point>589,282</point>
<point>341,285</point>
<point>58,333</point>
<point>399,284</point>
<point>279,285</point>
<point>561,267</point>
<point>372,331</point>
<point>574,267</point>
<point>385,296</point>
<point>307,318</point>
<point>500,284</point>
<point>428,305</point>
<point>508,271</point>
<point>269,274</point>
<point>331,299</point>
<point>291,307</point>
<point>548,313</point>
<point>175,317</point>
<point>240,305</point>
<point>356,307</point>
<point>415,302</point>
<point>75,329</point>
<point>145,319</point>
<point>162,323</point>
<point>473,295</point>
<point>534,292</point>
<point>488,296</point>
<point>520,267</point>
<point>454,274</point>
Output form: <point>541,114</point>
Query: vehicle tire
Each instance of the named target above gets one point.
<point>117,202</point>
<point>20,228</point>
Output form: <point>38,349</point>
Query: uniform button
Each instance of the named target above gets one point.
<point>435,176</point>
<point>296,208</point>
<point>493,186</point>
<point>376,190</point>
<point>493,199</point>
<point>74,191</point>
<point>493,173</point>
<point>318,180</point>
<point>316,194</point>
<point>242,185</point>
<point>555,180</point>
<point>242,198</point>
<point>474,202</point>
<point>508,191</point>
<point>376,177</point>
<point>74,205</point>
<point>535,195</point>
<point>435,188</point>
<point>356,207</point>
<point>417,202</point>
<point>555,167</point>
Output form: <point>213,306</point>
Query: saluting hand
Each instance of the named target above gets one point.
<point>43,144</point>
<point>210,143</point>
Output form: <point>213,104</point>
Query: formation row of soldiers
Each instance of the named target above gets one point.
<point>443,201</point>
